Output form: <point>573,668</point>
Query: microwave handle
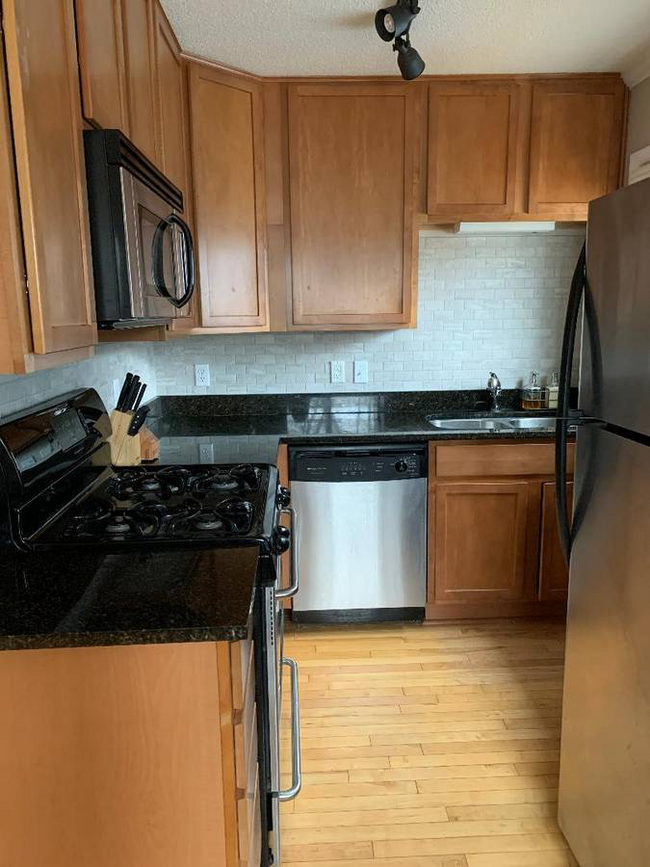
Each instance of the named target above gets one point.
<point>157,261</point>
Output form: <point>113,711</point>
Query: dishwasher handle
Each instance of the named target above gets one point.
<point>294,586</point>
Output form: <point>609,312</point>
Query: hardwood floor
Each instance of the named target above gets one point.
<point>428,746</point>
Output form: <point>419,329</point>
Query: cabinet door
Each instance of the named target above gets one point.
<point>472,148</point>
<point>46,113</point>
<point>170,101</point>
<point>482,532</point>
<point>576,137</point>
<point>101,63</point>
<point>553,571</point>
<point>229,199</point>
<point>352,150</point>
<point>137,21</point>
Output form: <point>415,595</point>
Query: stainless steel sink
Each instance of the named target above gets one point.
<point>469,424</point>
<point>543,423</point>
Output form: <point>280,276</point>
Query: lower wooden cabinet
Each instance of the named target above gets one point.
<point>553,571</point>
<point>493,541</point>
<point>138,756</point>
<point>482,531</point>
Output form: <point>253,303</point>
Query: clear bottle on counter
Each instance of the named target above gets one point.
<point>533,395</point>
<point>553,390</point>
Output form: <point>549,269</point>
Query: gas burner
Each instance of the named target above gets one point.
<point>232,515</point>
<point>240,478</point>
<point>110,522</point>
<point>164,483</point>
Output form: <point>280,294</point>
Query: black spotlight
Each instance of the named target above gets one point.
<point>395,20</point>
<point>409,61</point>
<point>394,23</point>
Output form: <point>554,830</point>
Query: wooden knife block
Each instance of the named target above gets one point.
<point>125,450</point>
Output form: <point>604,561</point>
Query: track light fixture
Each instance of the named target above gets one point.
<point>394,23</point>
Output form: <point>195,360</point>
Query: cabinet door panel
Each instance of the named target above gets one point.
<point>472,148</point>
<point>352,151</point>
<point>101,63</point>
<point>46,113</point>
<point>553,571</point>
<point>138,48</point>
<point>170,101</point>
<point>576,138</point>
<point>227,161</point>
<point>481,535</point>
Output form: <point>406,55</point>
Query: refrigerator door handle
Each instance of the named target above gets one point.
<point>576,294</point>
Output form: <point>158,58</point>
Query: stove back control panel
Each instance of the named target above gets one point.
<point>358,465</point>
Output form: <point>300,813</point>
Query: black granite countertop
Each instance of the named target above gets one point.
<point>250,427</point>
<point>88,599</point>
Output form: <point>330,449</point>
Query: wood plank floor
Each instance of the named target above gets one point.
<point>428,746</point>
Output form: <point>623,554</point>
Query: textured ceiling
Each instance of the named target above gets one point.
<point>337,37</point>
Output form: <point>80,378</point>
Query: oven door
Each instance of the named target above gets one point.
<point>276,665</point>
<point>159,252</point>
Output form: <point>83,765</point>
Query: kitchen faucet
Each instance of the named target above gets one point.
<point>494,392</point>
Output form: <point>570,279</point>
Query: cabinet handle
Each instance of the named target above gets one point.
<point>294,586</point>
<point>296,757</point>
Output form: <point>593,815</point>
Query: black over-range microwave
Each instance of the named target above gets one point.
<point>143,253</point>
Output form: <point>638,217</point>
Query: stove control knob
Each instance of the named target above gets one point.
<point>281,540</point>
<point>284,497</point>
<point>401,466</point>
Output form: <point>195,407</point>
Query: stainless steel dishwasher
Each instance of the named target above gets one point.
<point>363,537</point>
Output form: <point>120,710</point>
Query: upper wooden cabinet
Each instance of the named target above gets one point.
<point>229,198</point>
<point>137,22</point>
<point>46,114</point>
<point>101,63</point>
<point>170,101</point>
<point>473,129</point>
<point>576,141</point>
<point>352,161</point>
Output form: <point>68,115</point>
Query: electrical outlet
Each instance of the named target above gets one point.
<point>361,371</point>
<point>206,453</point>
<point>201,374</point>
<point>337,371</point>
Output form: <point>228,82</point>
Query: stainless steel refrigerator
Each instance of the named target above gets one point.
<point>604,806</point>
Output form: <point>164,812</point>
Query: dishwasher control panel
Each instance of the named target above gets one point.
<point>357,465</point>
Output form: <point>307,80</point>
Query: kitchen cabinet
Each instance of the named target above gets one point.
<point>41,61</point>
<point>493,544</point>
<point>138,25</point>
<point>229,199</point>
<point>149,752</point>
<point>576,144</point>
<point>171,104</point>
<point>100,40</point>
<point>473,138</point>
<point>553,570</point>
<point>482,529</point>
<point>352,173</point>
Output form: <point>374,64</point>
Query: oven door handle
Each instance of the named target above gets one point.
<point>296,755</point>
<point>294,586</point>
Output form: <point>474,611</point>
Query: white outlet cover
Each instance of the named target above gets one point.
<point>201,374</point>
<point>206,453</point>
<point>337,371</point>
<point>361,371</point>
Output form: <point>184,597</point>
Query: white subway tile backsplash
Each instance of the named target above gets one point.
<point>485,303</point>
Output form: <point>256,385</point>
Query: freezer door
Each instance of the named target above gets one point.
<point>605,767</point>
<point>615,378</point>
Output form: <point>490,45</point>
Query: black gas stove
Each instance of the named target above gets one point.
<point>60,489</point>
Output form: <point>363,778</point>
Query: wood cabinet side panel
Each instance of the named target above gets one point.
<point>116,751</point>
<point>553,571</point>
<point>137,22</point>
<point>47,127</point>
<point>170,101</point>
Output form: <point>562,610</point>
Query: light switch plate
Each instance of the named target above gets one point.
<point>361,372</point>
<point>337,371</point>
<point>206,453</point>
<point>201,374</point>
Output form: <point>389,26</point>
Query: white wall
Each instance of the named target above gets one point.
<point>489,302</point>
<point>638,130</point>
